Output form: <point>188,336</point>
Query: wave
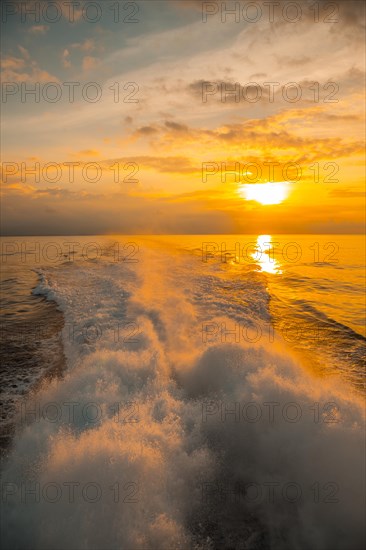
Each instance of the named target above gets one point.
<point>155,438</point>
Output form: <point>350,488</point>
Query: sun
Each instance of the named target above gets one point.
<point>265,193</point>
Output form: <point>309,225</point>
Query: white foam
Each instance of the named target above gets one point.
<point>169,373</point>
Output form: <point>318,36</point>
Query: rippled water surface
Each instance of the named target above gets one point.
<point>177,332</point>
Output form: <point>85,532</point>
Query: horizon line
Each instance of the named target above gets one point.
<point>170,234</point>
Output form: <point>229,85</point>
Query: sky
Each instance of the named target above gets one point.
<point>177,117</point>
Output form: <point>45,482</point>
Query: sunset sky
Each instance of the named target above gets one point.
<point>171,133</point>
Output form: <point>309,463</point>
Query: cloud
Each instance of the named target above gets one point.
<point>24,69</point>
<point>39,29</point>
<point>170,131</point>
<point>24,52</point>
<point>87,153</point>
<point>12,63</point>
<point>84,212</point>
<point>277,134</point>
<point>352,16</point>
<point>164,165</point>
<point>87,46</point>
<point>294,61</point>
<point>175,127</point>
<point>65,59</point>
<point>89,63</point>
<point>145,130</point>
<point>54,192</point>
<point>16,188</point>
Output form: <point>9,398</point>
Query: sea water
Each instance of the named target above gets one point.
<point>183,391</point>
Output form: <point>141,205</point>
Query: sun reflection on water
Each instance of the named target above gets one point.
<point>264,255</point>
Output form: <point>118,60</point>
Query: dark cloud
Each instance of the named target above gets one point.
<point>277,131</point>
<point>117,213</point>
<point>146,130</point>
<point>176,127</point>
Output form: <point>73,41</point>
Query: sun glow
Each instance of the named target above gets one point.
<point>265,193</point>
<point>264,255</point>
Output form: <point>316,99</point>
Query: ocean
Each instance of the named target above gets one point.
<point>187,391</point>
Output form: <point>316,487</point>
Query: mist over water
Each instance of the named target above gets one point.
<point>186,416</point>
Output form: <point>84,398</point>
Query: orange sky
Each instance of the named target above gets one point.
<point>174,150</point>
